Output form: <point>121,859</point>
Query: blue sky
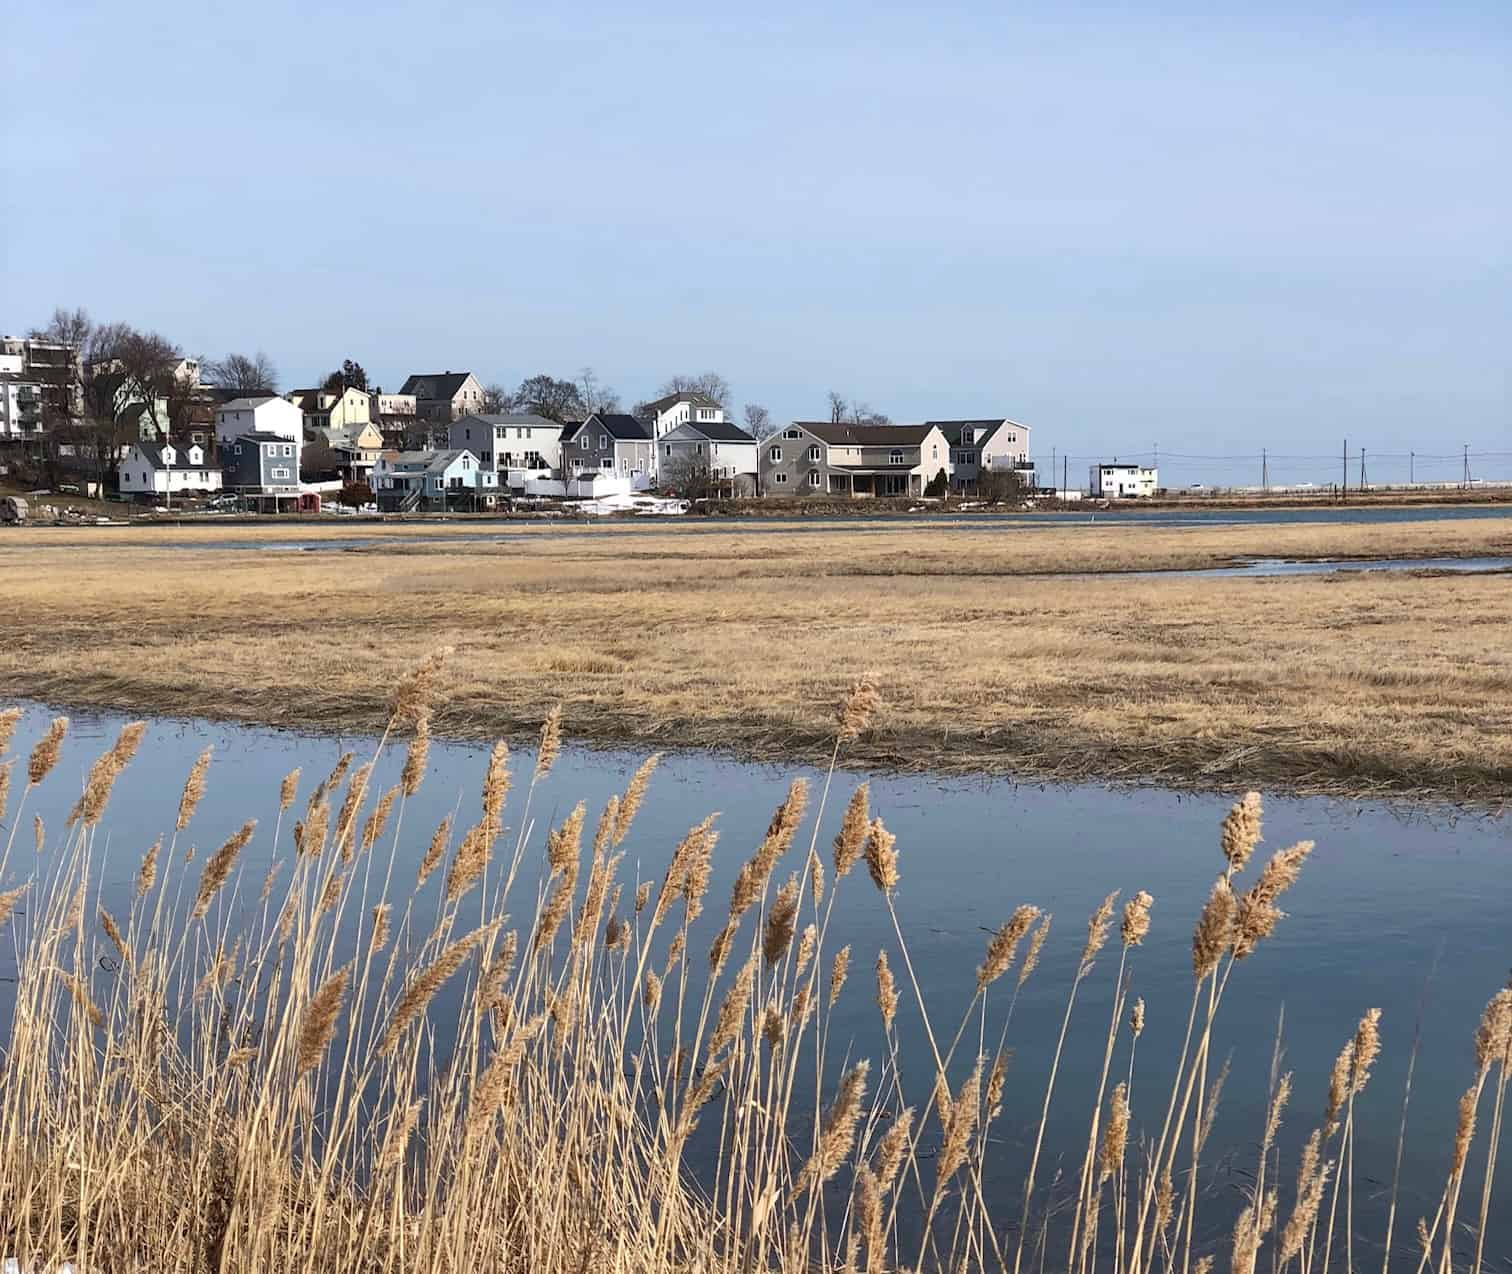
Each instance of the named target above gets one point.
<point>1208,227</point>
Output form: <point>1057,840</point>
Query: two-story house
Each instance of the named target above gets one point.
<point>666,414</point>
<point>610,443</point>
<point>152,469</point>
<point>821,458</point>
<point>263,467</point>
<point>1115,481</point>
<point>517,446</point>
<point>444,396</point>
<point>395,414</point>
<point>347,451</point>
<point>331,408</point>
<point>267,414</point>
<point>420,481</point>
<point>977,445</point>
<point>721,451</point>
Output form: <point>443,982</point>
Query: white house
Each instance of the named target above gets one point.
<point>1122,481</point>
<point>518,446</point>
<point>666,414</point>
<point>407,480</point>
<point>160,468</point>
<point>265,415</point>
<point>726,452</point>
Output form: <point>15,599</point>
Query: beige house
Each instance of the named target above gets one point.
<point>821,458</point>
<point>332,409</point>
<point>444,396</point>
<point>978,445</point>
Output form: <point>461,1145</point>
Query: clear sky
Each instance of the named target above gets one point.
<point>1212,227</point>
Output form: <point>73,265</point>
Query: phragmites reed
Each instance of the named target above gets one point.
<point>9,899</point>
<point>331,894</point>
<point>1257,914</point>
<point>1136,919</point>
<point>893,1149</point>
<point>1097,929</point>
<point>675,951</point>
<point>147,873</point>
<point>267,885</point>
<point>564,844</point>
<point>1338,1087</point>
<point>642,896</point>
<point>780,922</point>
<point>194,789</point>
<point>1278,1105</point>
<point>688,874</point>
<point>311,834</point>
<point>1312,1177</point>
<point>9,719</point>
<point>320,1021</point>
<point>435,851</point>
<point>288,790</point>
<point>346,821</point>
<point>1003,945</point>
<point>887,991</point>
<point>651,991</point>
<point>218,868</point>
<point>1215,929</point>
<point>397,1140</point>
<point>1241,831</point>
<point>90,807</point>
<point>733,1009</point>
<point>424,985</point>
<point>960,1123</point>
<point>5,774</point>
<point>839,971</point>
<point>1493,1035</point>
<point>39,832</point>
<point>881,856</point>
<point>415,757</point>
<point>551,742</point>
<point>496,1084</point>
<point>495,789</point>
<point>635,793</point>
<point>113,932</point>
<point>80,994</point>
<point>1137,1018</point>
<point>379,938</point>
<point>413,696</point>
<point>1116,1134</point>
<point>752,879</point>
<point>45,754</point>
<point>469,861</point>
<point>1036,945</point>
<point>850,841</point>
<point>808,940</point>
<point>857,710</point>
<point>838,1133</point>
<point>373,825</point>
<point>997,1079</point>
<point>1464,1128</point>
<point>1367,1046</point>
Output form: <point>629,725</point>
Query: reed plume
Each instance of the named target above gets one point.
<point>1241,831</point>
<point>346,821</point>
<point>1136,919</point>
<point>1003,945</point>
<point>1256,914</point>
<point>1367,1045</point>
<point>45,754</point>
<point>780,922</point>
<point>1493,1034</point>
<point>732,1010</point>
<point>959,1125</point>
<point>1312,1178</point>
<point>423,987</point>
<point>396,1141</point>
<point>113,932</point>
<point>892,1150</point>
<point>379,938</point>
<point>635,793</point>
<point>373,825</point>
<point>9,899</point>
<point>1097,930</point>
<point>288,790</point>
<point>39,832</point>
<point>414,695</point>
<point>469,861</point>
<point>881,856</point>
<point>850,841</point>
<point>218,868</point>
<point>495,789</point>
<point>9,719</point>
<point>1036,945</point>
<point>194,789</point>
<point>839,970</point>
<point>1116,1134</point>
<point>90,807</point>
<point>857,710</point>
<point>1215,930</point>
<point>81,997</point>
<point>415,757</point>
<point>5,778</point>
<point>435,851</point>
<point>551,743</point>
<point>147,873</point>
<point>1137,1018</point>
<point>887,991</point>
<point>838,1133</point>
<point>320,1021</point>
<point>752,879</point>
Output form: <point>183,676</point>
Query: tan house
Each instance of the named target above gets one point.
<point>332,409</point>
<point>445,396</point>
<point>821,458</point>
<point>349,451</point>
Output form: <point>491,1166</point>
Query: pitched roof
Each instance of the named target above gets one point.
<point>153,452</point>
<point>713,430</point>
<point>683,396</point>
<point>425,461</point>
<point>511,418</point>
<point>620,427</point>
<point>952,429</point>
<point>434,385</point>
<point>845,435</point>
<point>570,429</point>
<point>251,404</point>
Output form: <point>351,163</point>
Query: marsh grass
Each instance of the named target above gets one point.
<point>536,1070</point>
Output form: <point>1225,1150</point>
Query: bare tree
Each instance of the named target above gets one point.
<point>709,384</point>
<point>497,400</point>
<point>854,413</point>
<point>68,327</point>
<point>1001,486</point>
<point>689,477</point>
<point>551,398</point>
<point>126,374</point>
<point>243,374</point>
<point>758,421</point>
<point>594,394</point>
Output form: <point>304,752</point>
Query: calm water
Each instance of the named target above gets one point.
<point>1395,908</point>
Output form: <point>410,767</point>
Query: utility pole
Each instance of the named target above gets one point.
<point>1362,468</point>
<point>1344,486</point>
<point>1052,464</point>
<point>1467,466</point>
<point>1411,468</point>
<point>1264,471</point>
<point>1065,465</point>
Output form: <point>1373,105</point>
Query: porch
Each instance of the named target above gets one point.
<point>861,484</point>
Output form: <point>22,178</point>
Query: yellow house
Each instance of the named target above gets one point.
<point>328,409</point>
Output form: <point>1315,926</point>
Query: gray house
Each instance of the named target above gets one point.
<point>261,466</point>
<point>609,442</point>
<point>725,452</point>
<point>976,445</point>
<point>517,446</point>
<point>821,458</point>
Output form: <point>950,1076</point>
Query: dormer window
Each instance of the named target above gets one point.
<point>793,433</point>
<point>896,457</point>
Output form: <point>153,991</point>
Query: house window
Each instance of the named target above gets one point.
<point>813,477</point>
<point>280,473</point>
<point>896,457</point>
<point>607,463</point>
<point>814,453</point>
<point>603,441</point>
<point>288,451</point>
<point>775,455</point>
<point>779,478</point>
<point>792,433</point>
<point>667,451</point>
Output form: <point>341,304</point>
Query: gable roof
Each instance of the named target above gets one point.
<point>570,429</point>
<point>683,396</point>
<point>434,385</point>
<point>413,462</point>
<point>510,418</point>
<point>712,430</point>
<point>953,429</point>
<point>251,404</point>
<point>152,452</point>
<point>844,435</point>
<point>620,427</point>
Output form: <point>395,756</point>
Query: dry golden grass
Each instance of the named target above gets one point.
<point>736,636</point>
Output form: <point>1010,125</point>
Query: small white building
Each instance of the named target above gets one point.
<point>160,468</point>
<point>1117,481</point>
<point>265,415</point>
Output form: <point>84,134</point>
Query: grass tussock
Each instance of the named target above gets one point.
<point>532,1070</point>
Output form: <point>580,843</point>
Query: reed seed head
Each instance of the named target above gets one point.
<point>1116,1134</point>
<point>1277,1106</point>
<point>1338,1088</point>
<point>1367,1045</point>
<point>9,719</point>
<point>45,754</point>
<point>1257,914</point>
<point>780,922</point>
<point>1003,945</point>
<point>288,790</point>
<point>470,860</point>
<point>9,899</point>
<point>1464,1129</point>
<point>1215,930</point>
<point>1097,930</point>
<point>1136,919</point>
<point>320,1021</point>
<point>838,1133</point>
<point>218,868</point>
<point>415,757</point>
<point>194,789</point>
<point>1493,1035</point>
<point>635,794</point>
<point>496,788</point>
<point>39,832</point>
<point>1241,831</point>
<point>414,696</point>
<point>1036,945</point>
<point>857,710</point>
<point>147,873</point>
<point>5,777</point>
<point>882,856</point>
<point>652,991</point>
<point>959,1125</point>
<point>850,841</point>
<point>732,1010</point>
<point>423,987</point>
<point>887,991</point>
<point>90,807</point>
<point>379,938</point>
<point>113,932</point>
<point>1312,1176</point>
<point>551,742</point>
<point>346,821</point>
<point>839,971</point>
<point>893,1149</point>
<point>81,998</point>
<point>373,825</point>
<point>1137,1018</point>
<point>435,851</point>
